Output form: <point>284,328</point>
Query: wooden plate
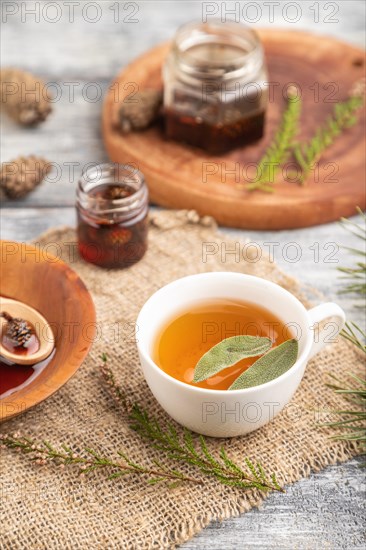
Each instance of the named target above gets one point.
<point>56,291</point>
<point>182,177</point>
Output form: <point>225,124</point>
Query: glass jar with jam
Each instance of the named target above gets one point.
<point>112,208</point>
<point>215,86</point>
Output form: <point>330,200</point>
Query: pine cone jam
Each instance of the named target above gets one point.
<point>215,86</point>
<point>112,208</point>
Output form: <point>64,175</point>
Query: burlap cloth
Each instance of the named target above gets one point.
<point>45,507</point>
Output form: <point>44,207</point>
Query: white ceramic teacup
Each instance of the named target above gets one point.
<point>223,413</point>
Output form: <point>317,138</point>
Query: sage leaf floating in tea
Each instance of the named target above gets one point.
<point>270,366</point>
<point>228,352</point>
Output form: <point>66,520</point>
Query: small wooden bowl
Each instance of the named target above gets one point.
<point>56,291</point>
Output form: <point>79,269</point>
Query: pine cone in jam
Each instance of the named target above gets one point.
<point>17,331</point>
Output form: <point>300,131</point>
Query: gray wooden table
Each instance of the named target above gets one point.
<point>80,53</point>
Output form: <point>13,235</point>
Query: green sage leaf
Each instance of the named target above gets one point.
<point>227,353</point>
<point>270,366</point>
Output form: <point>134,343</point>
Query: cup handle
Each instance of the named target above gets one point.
<point>322,337</point>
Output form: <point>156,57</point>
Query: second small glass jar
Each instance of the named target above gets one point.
<point>112,207</point>
<point>215,86</point>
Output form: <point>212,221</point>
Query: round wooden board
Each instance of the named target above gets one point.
<point>179,176</point>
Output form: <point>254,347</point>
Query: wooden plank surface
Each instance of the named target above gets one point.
<point>326,511</point>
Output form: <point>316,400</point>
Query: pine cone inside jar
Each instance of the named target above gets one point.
<point>20,176</point>
<point>140,111</point>
<point>18,331</point>
<point>24,96</point>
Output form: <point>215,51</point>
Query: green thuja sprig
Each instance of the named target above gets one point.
<point>305,154</point>
<point>343,117</point>
<point>354,334</point>
<point>90,460</point>
<point>186,448</point>
<point>352,422</point>
<point>357,273</point>
<point>280,147</point>
<point>178,448</point>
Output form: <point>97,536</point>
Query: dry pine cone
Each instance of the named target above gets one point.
<point>24,96</point>
<point>22,175</point>
<point>139,113</point>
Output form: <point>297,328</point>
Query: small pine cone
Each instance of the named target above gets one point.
<point>24,96</point>
<point>142,112</point>
<point>116,192</point>
<point>22,175</point>
<point>17,330</point>
<point>119,236</point>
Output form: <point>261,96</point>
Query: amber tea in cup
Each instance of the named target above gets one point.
<point>182,341</point>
